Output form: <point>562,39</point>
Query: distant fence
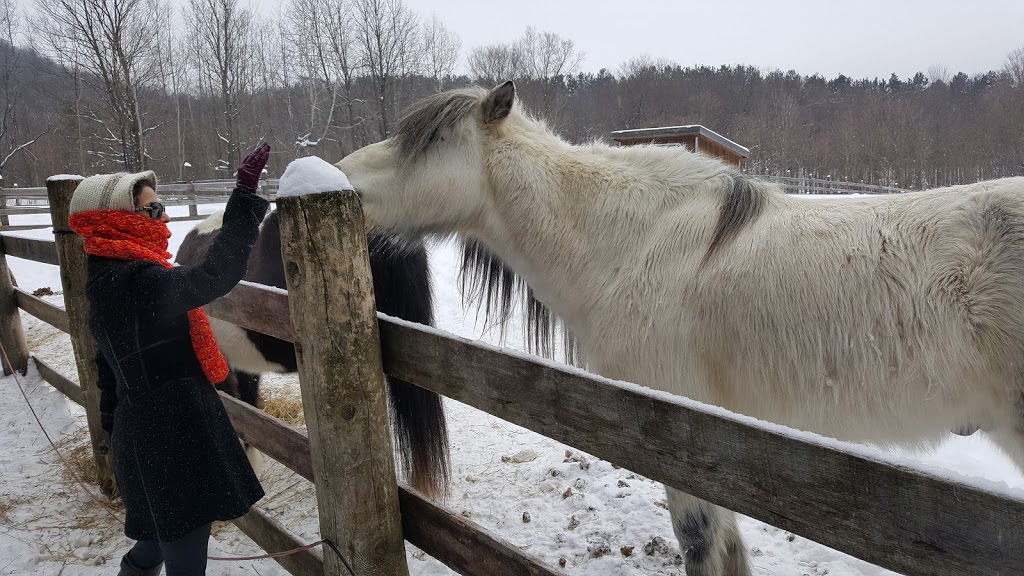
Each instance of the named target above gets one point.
<point>24,201</point>
<point>797,185</point>
<point>845,498</point>
<point>30,201</point>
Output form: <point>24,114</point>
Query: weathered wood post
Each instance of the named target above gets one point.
<point>5,220</point>
<point>73,264</point>
<point>193,208</point>
<point>12,333</point>
<point>330,295</point>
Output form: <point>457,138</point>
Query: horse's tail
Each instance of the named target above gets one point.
<point>421,432</point>
<point>401,284</point>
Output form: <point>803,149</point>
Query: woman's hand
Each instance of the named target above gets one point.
<point>248,175</point>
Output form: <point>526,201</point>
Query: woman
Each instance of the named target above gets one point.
<point>178,462</point>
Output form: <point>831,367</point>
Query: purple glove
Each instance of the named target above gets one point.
<point>248,175</point>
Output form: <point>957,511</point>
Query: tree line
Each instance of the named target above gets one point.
<point>89,86</point>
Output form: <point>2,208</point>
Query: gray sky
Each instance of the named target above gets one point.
<point>859,38</point>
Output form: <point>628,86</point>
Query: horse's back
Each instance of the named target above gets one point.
<point>862,318</point>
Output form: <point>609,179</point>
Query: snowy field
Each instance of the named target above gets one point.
<point>601,520</point>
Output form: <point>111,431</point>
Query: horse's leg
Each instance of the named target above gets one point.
<point>249,392</point>
<point>708,536</point>
<point>230,384</point>
<point>245,387</point>
<point>249,388</point>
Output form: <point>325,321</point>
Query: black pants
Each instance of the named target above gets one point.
<point>185,556</point>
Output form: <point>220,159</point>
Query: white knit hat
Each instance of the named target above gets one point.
<point>109,191</point>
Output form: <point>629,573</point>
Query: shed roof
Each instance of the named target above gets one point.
<point>688,130</point>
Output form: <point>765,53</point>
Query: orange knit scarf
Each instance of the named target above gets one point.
<point>122,235</point>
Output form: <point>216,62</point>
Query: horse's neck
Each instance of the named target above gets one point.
<point>554,223</point>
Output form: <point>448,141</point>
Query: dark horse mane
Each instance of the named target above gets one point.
<point>498,290</point>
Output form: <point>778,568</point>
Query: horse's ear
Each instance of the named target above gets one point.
<point>498,102</point>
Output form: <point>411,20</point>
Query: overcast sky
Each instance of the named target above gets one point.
<point>859,38</point>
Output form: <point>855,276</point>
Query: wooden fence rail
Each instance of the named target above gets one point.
<point>836,494</point>
<point>266,532</point>
<point>798,185</point>
<point>843,496</point>
<point>459,543</point>
<point>191,194</point>
<point>423,523</point>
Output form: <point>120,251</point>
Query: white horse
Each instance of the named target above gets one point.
<point>885,320</point>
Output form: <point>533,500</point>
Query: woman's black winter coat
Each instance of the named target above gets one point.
<point>177,459</point>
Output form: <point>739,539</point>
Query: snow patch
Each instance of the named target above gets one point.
<point>56,177</point>
<point>311,175</point>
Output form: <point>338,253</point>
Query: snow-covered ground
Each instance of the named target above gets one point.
<point>542,496</point>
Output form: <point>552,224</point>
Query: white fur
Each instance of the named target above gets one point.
<point>888,320</point>
<point>211,223</point>
<point>240,352</point>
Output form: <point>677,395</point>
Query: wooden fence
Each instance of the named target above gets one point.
<point>29,201</point>
<point>799,185</point>
<point>842,496</point>
<point>34,201</point>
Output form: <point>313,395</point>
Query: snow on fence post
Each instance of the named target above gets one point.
<point>333,311</point>
<point>12,333</point>
<point>73,264</point>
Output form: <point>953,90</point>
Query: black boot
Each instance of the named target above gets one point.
<point>129,569</point>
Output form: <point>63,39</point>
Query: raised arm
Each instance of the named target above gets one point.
<point>174,291</point>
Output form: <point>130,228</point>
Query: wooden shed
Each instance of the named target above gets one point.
<point>695,137</point>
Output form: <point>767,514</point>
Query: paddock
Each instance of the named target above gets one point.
<point>885,511</point>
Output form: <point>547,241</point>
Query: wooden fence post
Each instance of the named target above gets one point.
<point>12,333</point>
<point>73,264</point>
<point>193,208</point>
<point>5,220</point>
<point>330,296</point>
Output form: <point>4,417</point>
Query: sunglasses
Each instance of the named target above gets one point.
<point>155,210</point>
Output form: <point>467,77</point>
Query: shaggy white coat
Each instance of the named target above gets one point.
<point>889,320</point>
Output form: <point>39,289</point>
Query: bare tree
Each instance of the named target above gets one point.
<point>388,37</point>
<point>170,58</point>
<point>547,59</point>
<point>1015,66</point>
<point>938,73</point>
<point>322,33</point>
<point>493,63</point>
<point>13,137</point>
<point>644,64</point>
<point>548,55</point>
<point>222,43</point>
<point>441,49</point>
<point>108,45</point>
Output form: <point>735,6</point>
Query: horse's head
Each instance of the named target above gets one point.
<point>431,175</point>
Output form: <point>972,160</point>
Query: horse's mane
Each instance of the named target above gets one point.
<point>497,289</point>
<point>428,118</point>
<point>484,279</point>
